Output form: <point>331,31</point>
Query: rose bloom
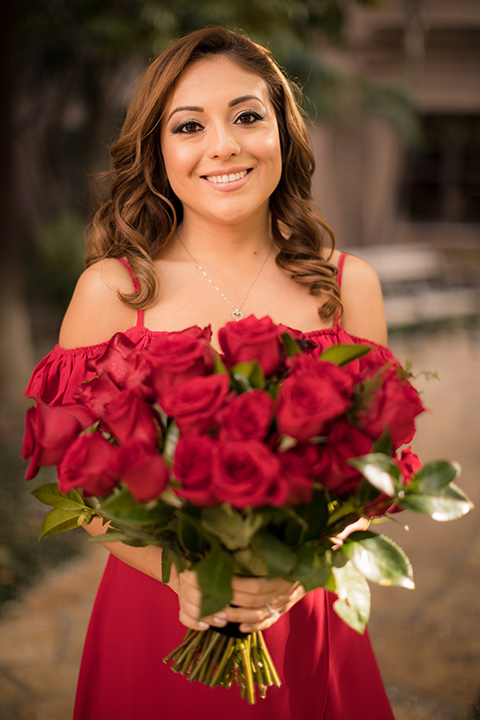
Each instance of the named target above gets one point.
<point>193,466</point>
<point>394,405</point>
<point>315,394</point>
<point>246,416</point>
<point>130,415</point>
<point>301,465</point>
<point>126,365</point>
<point>96,393</point>
<point>248,474</point>
<point>91,462</point>
<point>49,431</point>
<point>143,469</point>
<point>195,403</point>
<point>345,441</point>
<point>252,339</point>
<point>179,356</point>
<point>409,464</point>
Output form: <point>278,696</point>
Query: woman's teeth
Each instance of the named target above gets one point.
<point>226,178</point>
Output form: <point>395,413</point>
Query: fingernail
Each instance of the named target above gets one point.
<point>245,628</point>
<point>203,626</point>
<point>219,620</point>
<point>222,615</point>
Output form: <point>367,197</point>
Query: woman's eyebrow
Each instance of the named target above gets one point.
<point>197,108</point>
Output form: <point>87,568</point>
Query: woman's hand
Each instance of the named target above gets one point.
<point>259,602</point>
<point>362,524</point>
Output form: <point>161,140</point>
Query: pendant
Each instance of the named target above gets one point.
<point>237,315</point>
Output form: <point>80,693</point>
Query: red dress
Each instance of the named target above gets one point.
<point>328,670</point>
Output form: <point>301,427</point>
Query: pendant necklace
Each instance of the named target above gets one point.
<point>237,313</point>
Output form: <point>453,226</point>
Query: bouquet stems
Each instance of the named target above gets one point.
<point>213,658</point>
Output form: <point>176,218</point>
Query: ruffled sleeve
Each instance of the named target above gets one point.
<point>59,374</point>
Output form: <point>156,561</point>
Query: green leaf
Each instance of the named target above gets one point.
<point>171,440</point>
<point>49,494</point>
<point>214,574</point>
<point>379,559</point>
<point>60,520</point>
<point>167,562</point>
<point>234,530</point>
<point>436,475</point>
<point>311,570</point>
<point>122,507</point>
<point>448,503</point>
<point>219,366</point>
<point>278,557</point>
<point>343,354</point>
<point>249,375</point>
<point>353,604</point>
<point>380,470</point>
<point>247,563</point>
<point>290,345</point>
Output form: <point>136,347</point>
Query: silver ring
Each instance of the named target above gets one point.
<point>274,614</point>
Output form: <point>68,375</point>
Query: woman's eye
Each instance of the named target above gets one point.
<point>188,127</point>
<point>247,118</point>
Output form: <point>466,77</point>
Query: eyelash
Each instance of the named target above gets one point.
<point>181,127</point>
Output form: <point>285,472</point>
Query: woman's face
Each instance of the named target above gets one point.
<point>220,143</point>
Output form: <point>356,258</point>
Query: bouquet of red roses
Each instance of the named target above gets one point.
<point>248,463</point>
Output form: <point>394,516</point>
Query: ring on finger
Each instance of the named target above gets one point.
<point>274,614</point>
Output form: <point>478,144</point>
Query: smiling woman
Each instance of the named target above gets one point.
<point>209,217</point>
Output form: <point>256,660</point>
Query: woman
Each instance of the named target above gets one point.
<point>210,218</point>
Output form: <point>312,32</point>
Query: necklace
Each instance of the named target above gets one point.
<point>237,313</point>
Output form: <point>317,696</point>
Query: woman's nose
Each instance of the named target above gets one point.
<point>222,142</point>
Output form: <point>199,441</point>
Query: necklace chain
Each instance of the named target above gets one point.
<point>237,313</point>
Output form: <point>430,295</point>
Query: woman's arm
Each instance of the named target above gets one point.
<point>363,313</point>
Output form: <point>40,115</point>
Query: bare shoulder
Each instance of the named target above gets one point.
<point>363,313</point>
<point>95,312</point>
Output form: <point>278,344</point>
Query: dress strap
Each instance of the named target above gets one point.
<point>136,286</point>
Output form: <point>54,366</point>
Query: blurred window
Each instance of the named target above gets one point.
<point>442,175</point>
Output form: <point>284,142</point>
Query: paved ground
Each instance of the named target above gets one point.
<point>427,640</point>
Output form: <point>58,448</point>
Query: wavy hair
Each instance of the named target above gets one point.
<point>142,212</point>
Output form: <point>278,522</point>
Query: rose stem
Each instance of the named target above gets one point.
<point>223,662</point>
<point>258,667</point>
<point>269,661</point>
<point>206,651</point>
<point>176,650</point>
<point>247,667</point>
<point>213,662</point>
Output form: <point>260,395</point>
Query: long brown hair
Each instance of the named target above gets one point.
<point>142,213</point>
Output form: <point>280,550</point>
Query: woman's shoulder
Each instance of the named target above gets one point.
<point>95,312</point>
<point>363,313</point>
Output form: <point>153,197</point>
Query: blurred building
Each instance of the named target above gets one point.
<point>411,207</point>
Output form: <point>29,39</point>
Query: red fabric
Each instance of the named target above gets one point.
<point>328,671</point>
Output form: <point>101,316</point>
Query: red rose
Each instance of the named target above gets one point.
<point>252,339</point>
<point>96,393</point>
<point>143,469</point>
<point>194,456</point>
<point>91,462</point>
<point>248,474</point>
<point>345,441</point>
<point>247,416</point>
<point>394,404</point>
<point>130,416</point>
<point>125,364</point>
<point>195,403</point>
<point>179,356</point>
<point>409,464</point>
<point>311,397</point>
<point>301,466</point>
<point>49,431</point>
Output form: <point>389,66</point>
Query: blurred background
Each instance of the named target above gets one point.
<point>393,92</point>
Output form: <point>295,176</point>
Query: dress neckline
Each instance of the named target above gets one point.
<point>141,330</point>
